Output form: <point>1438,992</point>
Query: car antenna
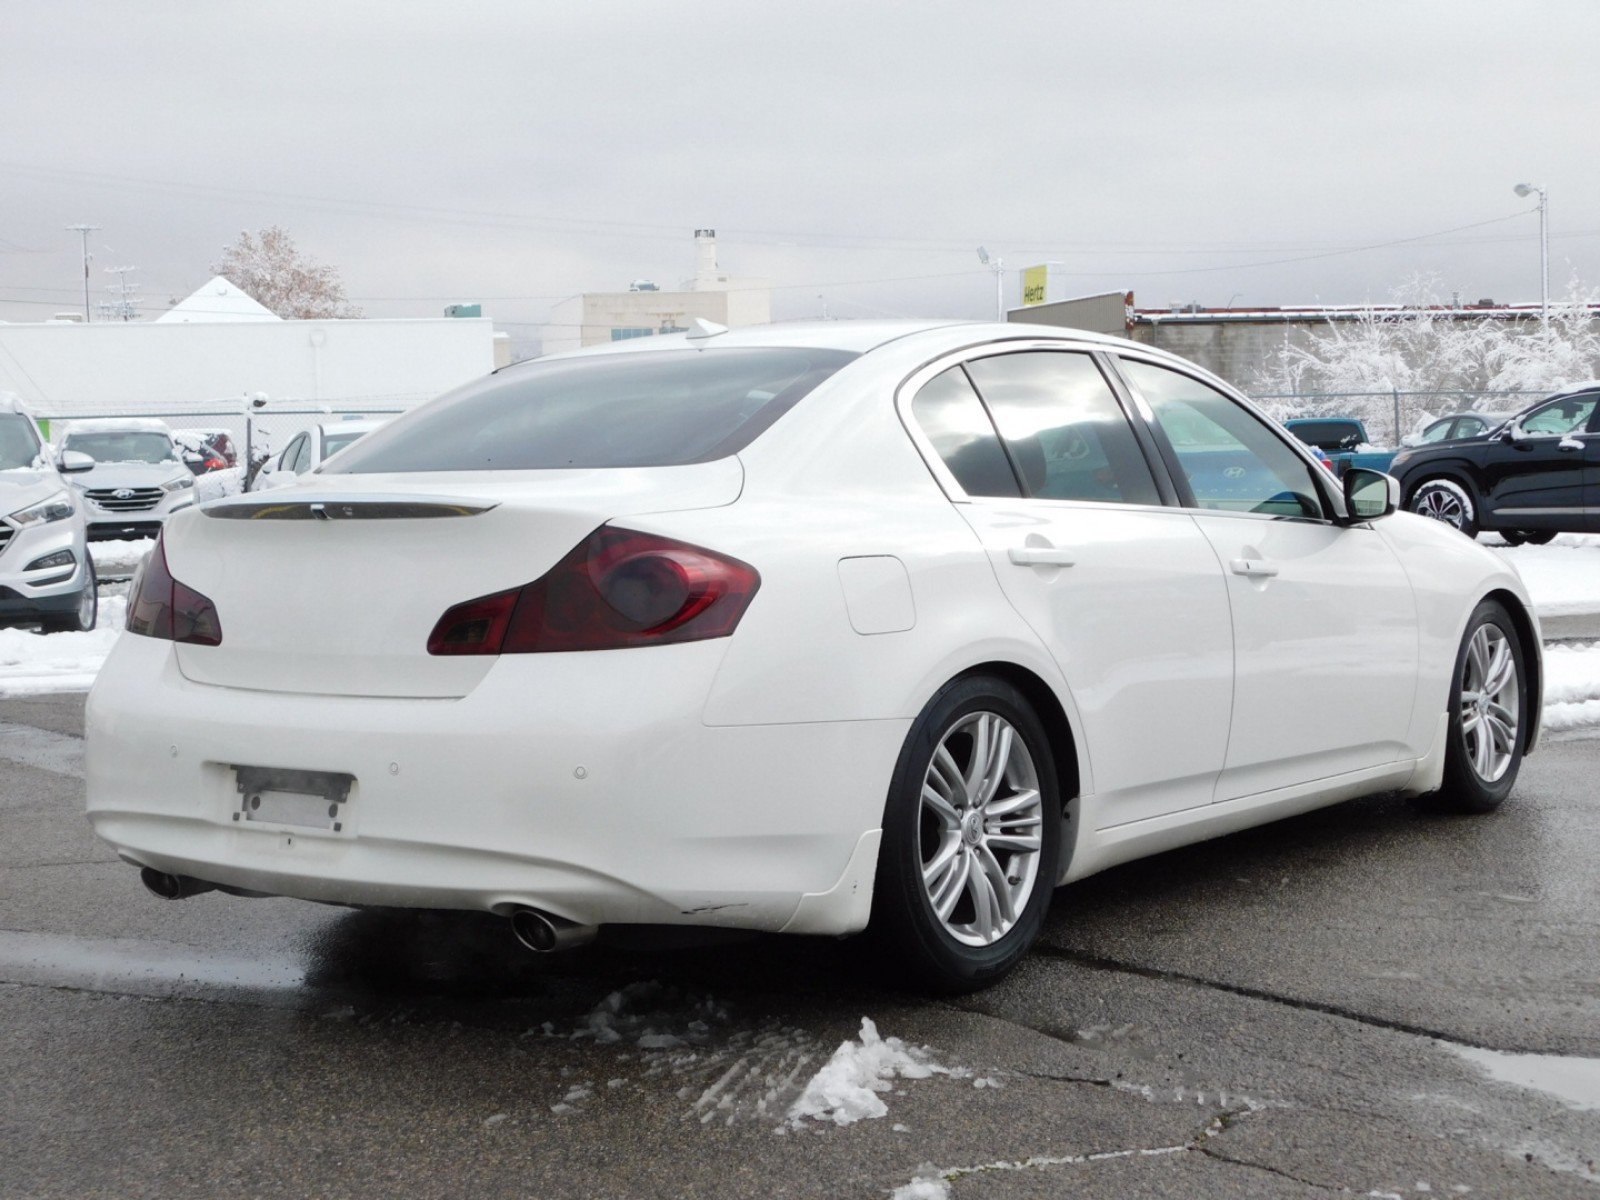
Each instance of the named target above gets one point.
<point>700,329</point>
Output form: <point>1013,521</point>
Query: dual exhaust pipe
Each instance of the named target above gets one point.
<point>173,887</point>
<point>546,934</point>
<point>543,933</point>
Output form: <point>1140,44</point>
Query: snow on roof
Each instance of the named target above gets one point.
<point>218,300</point>
<point>118,425</point>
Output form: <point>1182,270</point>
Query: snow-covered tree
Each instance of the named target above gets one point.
<point>1419,345</point>
<point>272,270</point>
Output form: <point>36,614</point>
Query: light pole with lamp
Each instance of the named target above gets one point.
<point>1527,189</point>
<point>998,266</point>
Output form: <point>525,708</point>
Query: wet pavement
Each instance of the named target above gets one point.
<point>1291,1012</point>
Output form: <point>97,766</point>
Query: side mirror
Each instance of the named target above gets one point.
<point>1370,495</point>
<point>72,462</point>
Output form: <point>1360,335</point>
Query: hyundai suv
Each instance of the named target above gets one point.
<point>46,574</point>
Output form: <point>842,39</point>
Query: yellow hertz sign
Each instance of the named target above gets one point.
<point>1035,285</point>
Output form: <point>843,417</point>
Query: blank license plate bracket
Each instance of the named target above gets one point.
<point>282,796</point>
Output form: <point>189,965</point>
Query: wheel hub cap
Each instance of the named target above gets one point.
<point>979,829</point>
<point>1490,702</point>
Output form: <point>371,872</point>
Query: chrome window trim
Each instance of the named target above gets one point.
<point>908,388</point>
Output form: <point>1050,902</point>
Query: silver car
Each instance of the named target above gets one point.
<point>46,574</point>
<point>139,478</point>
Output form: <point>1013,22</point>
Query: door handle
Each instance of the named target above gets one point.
<point>1252,568</point>
<point>1569,443</point>
<point>1040,556</point>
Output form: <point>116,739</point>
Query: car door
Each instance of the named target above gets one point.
<point>1540,479</point>
<point>1122,588</point>
<point>1324,621</point>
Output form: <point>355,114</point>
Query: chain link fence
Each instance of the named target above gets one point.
<point>1392,414</point>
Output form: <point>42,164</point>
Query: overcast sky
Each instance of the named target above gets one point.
<point>854,154</point>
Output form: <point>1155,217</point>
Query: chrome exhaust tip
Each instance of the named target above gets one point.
<point>173,887</point>
<point>546,934</point>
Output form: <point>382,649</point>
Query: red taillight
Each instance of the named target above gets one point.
<point>616,588</point>
<point>214,464</point>
<point>161,607</point>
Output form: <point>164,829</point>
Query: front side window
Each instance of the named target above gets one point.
<point>651,409</point>
<point>1568,415</point>
<point>140,447</point>
<point>1233,462</point>
<point>18,448</point>
<point>1063,427</point>
<point>292,455</point>
<point>1468,427</point>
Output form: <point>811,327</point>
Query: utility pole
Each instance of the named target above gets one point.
<point>998,266</point>
<point>1524,190</point>
<point>85,231</point>
<point>122,308</point>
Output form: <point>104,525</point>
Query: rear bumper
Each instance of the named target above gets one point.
<point>582,784</point>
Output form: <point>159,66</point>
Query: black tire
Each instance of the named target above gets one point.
<point>1527,537</point>
<point>1465,788</point>
<point>904,925</point>
<point>1447,502</point>
<point>83,616</point>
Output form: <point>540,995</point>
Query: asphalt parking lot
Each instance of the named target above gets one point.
<point>1288,1012</point>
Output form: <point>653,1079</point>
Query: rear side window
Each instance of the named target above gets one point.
<point>1064,428</point>
<point>951,415</point>
<point>1328,435</point>
<point>650,409</point>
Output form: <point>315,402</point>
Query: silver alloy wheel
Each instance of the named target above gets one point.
<point>1491,696</point>
<point>980,828</point>
<point>1442,505</point>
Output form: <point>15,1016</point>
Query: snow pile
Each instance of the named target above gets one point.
<point>59,662</point>
<point>1572,686</point>
<point>215,484</point>
<point>849,1087</point>
<point>923,1187</point>
<point>1563,577</point>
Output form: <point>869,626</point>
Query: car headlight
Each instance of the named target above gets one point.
<point>177,485</point>
<point>56,508</point>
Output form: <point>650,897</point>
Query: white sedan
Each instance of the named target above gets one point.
<point>809,628</point>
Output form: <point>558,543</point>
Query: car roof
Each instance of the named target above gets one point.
<point>857,337</point>
<point>118,425</point>
<point>365,426</point>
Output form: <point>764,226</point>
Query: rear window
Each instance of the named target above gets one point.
<point>648,409</point>
<point>1328,435</point>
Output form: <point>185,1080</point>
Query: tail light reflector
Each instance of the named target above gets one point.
<point>161,607</point>
<point>616,588</point>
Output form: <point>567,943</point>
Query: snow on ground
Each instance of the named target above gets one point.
<point>1572,686</point>
<point>59,662</point>
<point>1562,577</point>
<point>848,1087</point>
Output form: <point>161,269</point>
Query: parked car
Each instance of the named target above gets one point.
<point>207,450</point>
<point>1456,426</point>
<point>138,480</point>
<point>307,451</point>
<point>1537,475</point>
<point>46,574</point>
<point>1343,442</point>
<point>812,628</point>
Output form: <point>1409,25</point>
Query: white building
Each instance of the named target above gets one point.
<point>218,346</point>
<point>644,309</point>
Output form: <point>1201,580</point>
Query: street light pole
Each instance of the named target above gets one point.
<point>85,230</point>
<point>1527,189</point>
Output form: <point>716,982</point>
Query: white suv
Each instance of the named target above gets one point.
<point>46,574</point>
<point>139,477</point>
